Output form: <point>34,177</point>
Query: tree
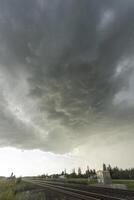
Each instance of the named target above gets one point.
<point>79,172</point>
<point>73,174</point>
<point>110,169</point>
<point>62,173</point>
<point>87,172</point>
<point>104,167</point>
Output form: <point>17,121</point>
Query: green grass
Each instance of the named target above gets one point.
<point>83,181</point>
<point>12,189</point>
<point>6,190</point>
<point>128,183</point>
<point>7,195</point>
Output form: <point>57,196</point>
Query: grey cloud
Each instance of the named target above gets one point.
<point>67,56</point>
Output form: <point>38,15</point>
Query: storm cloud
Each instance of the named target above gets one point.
<point>66,72</point>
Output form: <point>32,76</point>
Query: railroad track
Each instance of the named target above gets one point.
<point>121,193</point>
<point>50,187</point>
<point>73,192</point>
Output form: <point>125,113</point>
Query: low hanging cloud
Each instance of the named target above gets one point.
<point>66,72</point>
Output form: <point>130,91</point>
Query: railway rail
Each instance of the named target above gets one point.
<point>126,194</point>
<point>82,192</point>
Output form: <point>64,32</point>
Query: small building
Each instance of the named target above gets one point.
<point>104,177</point>
<point>62,176</point>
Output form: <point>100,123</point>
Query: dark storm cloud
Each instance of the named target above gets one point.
<point>72,59</point>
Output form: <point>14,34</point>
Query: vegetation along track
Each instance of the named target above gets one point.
<point>80,192</point>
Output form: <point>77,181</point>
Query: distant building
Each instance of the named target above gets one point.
<point>104,177</point>
<point>62,176</point>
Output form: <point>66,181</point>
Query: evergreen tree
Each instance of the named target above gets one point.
<point>104,167</point>
<point>79,172</point>
<point>87,172</point>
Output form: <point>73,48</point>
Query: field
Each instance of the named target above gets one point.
<point>16,190</point>
<point>6,190</point>
<point>79,181</point>
<point>128,183</point>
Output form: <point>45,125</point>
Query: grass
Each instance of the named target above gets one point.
<point>7,195</point>
<point>81,181</point>
<point>128,183</point>
<point>12,189</point>
<point>6,190</point>
<point>84,181</point>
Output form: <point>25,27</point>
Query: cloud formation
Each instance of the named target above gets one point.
<point>66,72</point>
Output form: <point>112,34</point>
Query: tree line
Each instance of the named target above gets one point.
<point>115,172</point>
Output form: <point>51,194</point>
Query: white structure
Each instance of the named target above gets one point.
<point>62,176</point>
<point>104,177</point>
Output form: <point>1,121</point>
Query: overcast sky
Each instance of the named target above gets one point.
<point>66,84</point>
